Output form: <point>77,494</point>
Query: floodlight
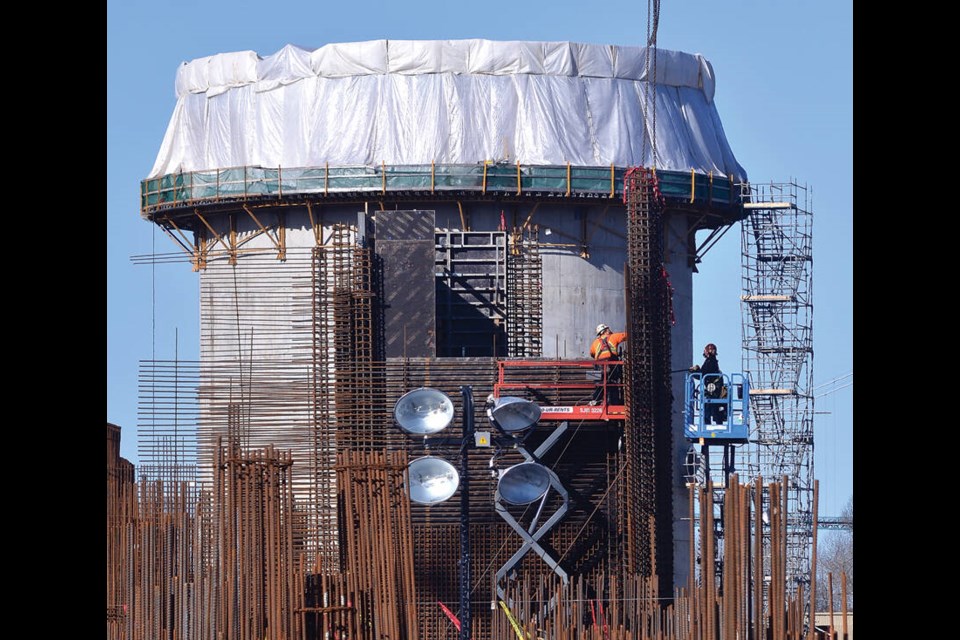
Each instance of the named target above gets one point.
<point>423,411</point>
<point>523,483</point>
<point>513,415</point>
<point>432,480</point>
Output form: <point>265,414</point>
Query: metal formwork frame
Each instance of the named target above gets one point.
<point>472,265</point>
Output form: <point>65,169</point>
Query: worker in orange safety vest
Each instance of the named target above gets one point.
<point>607,346</point>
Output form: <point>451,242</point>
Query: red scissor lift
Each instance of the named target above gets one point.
<point>564,389</point>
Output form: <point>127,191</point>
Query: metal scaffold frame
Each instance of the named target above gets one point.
<point>777,307</point>
<point>471,272</point>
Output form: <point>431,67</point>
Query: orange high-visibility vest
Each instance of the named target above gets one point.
<point>605,347</point>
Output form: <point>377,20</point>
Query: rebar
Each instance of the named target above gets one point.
<point>617,607</point>
<point>291,362</point>
<point>524,294</point>
<point>648,436</point>
<point>121,509</point>
<point>379,552</point>
<point>252,582</point>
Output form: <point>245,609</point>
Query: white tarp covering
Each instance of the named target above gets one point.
<point>446,102</point>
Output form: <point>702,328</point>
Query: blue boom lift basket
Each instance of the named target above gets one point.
<point>716,407</point>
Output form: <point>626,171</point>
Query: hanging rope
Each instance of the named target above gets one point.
<point>650,87</point>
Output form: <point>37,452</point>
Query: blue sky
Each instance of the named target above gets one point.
<point>784,92</point>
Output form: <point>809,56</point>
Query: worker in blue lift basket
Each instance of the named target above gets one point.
<point>711,384</point>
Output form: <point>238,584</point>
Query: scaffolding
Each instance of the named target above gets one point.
<point>777,307</point>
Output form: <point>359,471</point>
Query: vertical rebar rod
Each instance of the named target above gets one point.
<point>843,604</point>
<point>813,562</point>
<point>830,602</point>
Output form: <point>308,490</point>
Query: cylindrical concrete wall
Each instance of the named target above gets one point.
<point>261,307</point>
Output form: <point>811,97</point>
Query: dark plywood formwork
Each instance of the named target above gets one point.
<point>405,245</point>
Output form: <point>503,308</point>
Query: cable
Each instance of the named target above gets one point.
<point>833,381</point>
<point>153,298</point>
<point>827,393</point>
<point>590,517</point>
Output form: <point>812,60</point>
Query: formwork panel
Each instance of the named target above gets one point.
<point>405,246</point>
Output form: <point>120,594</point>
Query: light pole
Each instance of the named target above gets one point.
<point>424,412</point>
<point>466,575</point>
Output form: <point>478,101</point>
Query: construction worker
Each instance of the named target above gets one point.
<point>712,383</point>
<point>606,346</point>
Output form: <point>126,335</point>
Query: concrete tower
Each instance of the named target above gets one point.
<point>366,218</point>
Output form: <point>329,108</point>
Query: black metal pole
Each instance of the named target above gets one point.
<point>466,577</point>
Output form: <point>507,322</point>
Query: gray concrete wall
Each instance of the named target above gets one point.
<point>681,355</point>
<point>578,293</point>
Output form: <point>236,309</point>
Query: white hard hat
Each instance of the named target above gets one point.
<point>601,328</point>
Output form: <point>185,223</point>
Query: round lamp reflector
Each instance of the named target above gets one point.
<point>523,483</point>
<point>514,415</point>
<point>432,480</point>
<point>423,411</point>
